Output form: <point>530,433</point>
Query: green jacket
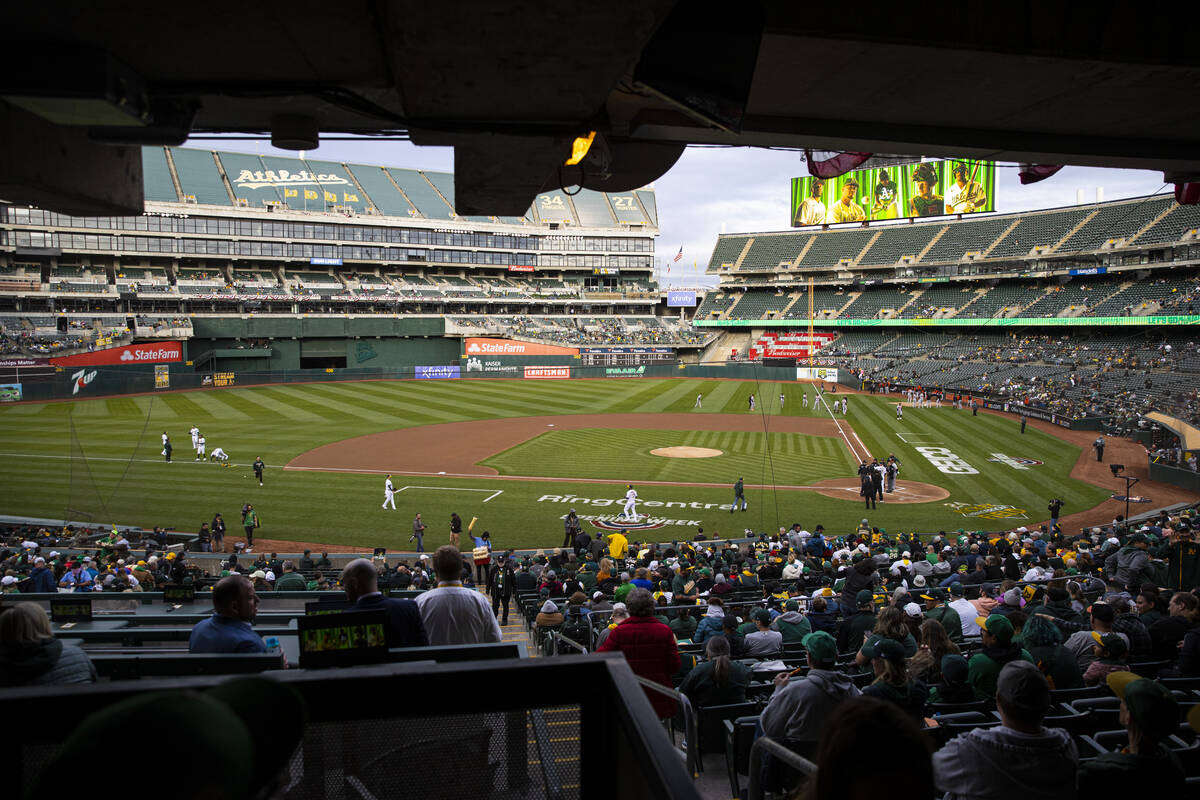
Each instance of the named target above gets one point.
<point>588,579</point>
<point>1183,565</point>
<point>622,591</point>
<point>949,619</point>
<point>983,669</point>
<point>291,582</point>
<point>793,625</point>
<point>683,627</point>
<point>1124,775</point>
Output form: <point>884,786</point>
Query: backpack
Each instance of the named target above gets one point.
<point>576,628</point>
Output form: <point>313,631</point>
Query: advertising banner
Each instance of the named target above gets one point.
<point>681,299</point>
<point>154,353</point>
<point>926,189</point>
<point>439,372</point>
<point>990,322</point>
<point>817,373</point>
<point>1089,271</point>
<point>520,268</point>
<point>22,361</point>
<point>162,376</point>
<point>476,364</point>
<point>509,347</point>
<point>624,372</point>
<point>542,373</point>
<point>10,392</point>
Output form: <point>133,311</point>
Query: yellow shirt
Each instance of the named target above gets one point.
<point>840,212</point>
<point>618,545</point>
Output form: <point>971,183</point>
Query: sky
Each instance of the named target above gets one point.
<point>713,190</point>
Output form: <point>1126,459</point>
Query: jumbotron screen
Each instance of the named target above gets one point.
<point>925,189</point>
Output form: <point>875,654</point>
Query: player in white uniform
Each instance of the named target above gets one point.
<point>218,455</point>
<point>781,399</point>
<point>389,493</point>
<point>200,444</point>
<point>845,406</point>
<point>699,401</point>
<point>195,432</point>
<point>899,411</point>
<point>630,512</point>
<point>804,399</point>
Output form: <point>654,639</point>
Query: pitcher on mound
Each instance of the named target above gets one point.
<point>630,512</point>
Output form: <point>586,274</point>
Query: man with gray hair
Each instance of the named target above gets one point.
<point>402,619</point>
<point>1018,759</point>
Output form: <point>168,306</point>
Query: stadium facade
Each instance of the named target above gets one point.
<point>276,263</point>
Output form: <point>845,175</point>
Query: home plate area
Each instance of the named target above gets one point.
<point>906,491</point>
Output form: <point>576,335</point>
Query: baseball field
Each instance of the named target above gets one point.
<point>519,454</point>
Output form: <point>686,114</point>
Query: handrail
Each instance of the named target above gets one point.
<point>777,750</point>
<point>558,637</point>
<point>690,725</point>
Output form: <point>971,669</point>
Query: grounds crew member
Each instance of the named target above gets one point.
<point>739,496</point>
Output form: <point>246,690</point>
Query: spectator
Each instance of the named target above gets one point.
<point>290,580</point>
<point>549,616</point>
<point>684,625</point>
<point>1168,633</point>
<point>1130,566</point>
<point>30,655</point>
<point>854,628</point>
<point>800,710</point>
<point>718,680</point>
<point>1043,641</point>
<point>954,687</point>
<point>763,642</point>
<point>1110,651</point>
<point>648,646</point>
<point>892,682</point>
<point>996,631</point>
<point>43,577</point>
<point>964,609</point>
<point>453,614</point>
<point>821,618</point>
<point>890,624</point>
<point>934,645</point>
<point>710,625</point>
<point>1080,644</point>
<point>792,624</point>
<point>840,772</point>
<point>402,618</point>
<point>620,613</point>
<point>1150,714</point>
<point>1018,759</point>
<point>228,630</point>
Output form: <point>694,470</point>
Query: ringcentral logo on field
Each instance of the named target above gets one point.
<point>158,354</point>
<point>547,372</point>
<point>946,461</point>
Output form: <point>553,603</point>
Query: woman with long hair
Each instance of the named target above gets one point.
<point>890,624</point>
<point>718,680</point>
<point>934,645</point>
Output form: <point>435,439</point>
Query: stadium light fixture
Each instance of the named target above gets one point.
<point>580,148</point>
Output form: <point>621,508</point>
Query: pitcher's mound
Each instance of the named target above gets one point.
<point>685,452</point>
<point>906,491</point>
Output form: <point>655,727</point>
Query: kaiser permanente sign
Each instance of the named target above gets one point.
<point>953,322</point>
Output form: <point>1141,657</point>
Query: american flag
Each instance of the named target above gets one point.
<point>678,255</point>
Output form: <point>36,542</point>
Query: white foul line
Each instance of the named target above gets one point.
<point>845,438</point>
<point>494,492</point>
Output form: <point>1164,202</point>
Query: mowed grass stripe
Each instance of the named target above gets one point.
<point>351,403</point>
<point>219,405</point>
<point>418,402</point>
<point>287,405</point>
<point>495,397</point>
<point>389,396</point>
<point>669,395</point>
<point>714,401</point>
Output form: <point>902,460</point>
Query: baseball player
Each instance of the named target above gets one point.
<point>751,402</point>
<point>200,445</point>
<point>218,455</point>
<point>195,432</point>
<point>630,511</point>
<point>699,401</point>
<point>782,397</point>
<point>804,399</point>
<point>845,406</point>
<point>899,411</point>
<point>389,493</point>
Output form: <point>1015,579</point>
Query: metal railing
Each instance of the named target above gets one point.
<point>691,729</point>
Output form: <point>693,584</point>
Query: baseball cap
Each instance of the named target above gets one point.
<point>1013,598</point>
<point>1022,686</point>
<point>1111,642</point>
<point>258,573</point>
<point>919,581</point>
<point>821,647</point>
<point>954,668</point>
<point>912,609</point>
<point>792,605</point>
<point>997,625</point>
<point>864,597</point>
<point>8,580</point>
<point>883,647</point>
<point>956,589</point>
<point>762,615</point>
<point>936,595</point>
<point>1152,706</point>
<point>597,595</point>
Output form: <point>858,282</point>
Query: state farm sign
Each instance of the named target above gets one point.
<point>155,353</point>
<point>510,347</point>
<point>547,372</point>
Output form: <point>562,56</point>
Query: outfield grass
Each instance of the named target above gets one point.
<point>123,478</point>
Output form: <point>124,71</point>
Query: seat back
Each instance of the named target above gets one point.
<point>711,723</point>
